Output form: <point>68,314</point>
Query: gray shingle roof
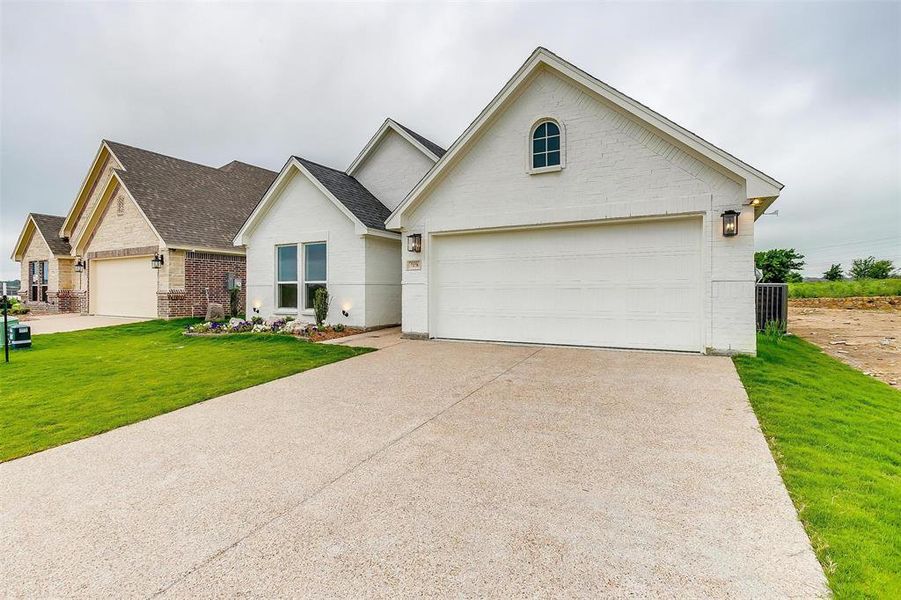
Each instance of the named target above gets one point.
<point>432,146</point>
<point>49,226</point>
<point>191,204</point>
<point>351,193</point>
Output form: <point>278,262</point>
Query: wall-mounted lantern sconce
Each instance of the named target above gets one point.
<point>157,261</point>
<point>730,223</point>
<point>414,242</point>
<point>345,313</point>
<point>256,306</point>
<point>79,265</point>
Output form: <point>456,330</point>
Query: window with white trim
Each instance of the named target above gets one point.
<point>546,150</point>
<point>286,277</point>
<point>315,271</point>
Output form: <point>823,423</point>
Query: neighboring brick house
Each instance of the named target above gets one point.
<point>136,206</point>
<point>46,264</point>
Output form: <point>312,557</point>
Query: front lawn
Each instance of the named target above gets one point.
<point>845,289</point>
<point>836,435</point>
<point>74,385</point>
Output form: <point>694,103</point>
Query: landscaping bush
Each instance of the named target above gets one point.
<point>774,330</point>
<point>320,305</point>
<point>234,301</point>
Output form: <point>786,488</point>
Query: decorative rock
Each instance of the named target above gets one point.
<point>214,312</point>
<point>296,328</point>
<point>234,322</point>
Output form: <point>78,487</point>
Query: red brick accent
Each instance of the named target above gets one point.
<point>173,303</point>
<point>205,270</point>
<point>71,301</point>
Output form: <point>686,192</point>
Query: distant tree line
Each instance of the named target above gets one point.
<point>783,265</point>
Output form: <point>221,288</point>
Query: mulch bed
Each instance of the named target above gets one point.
<point>321,336</point>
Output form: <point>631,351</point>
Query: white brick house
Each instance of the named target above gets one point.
<point>568,213</point>
<point>322,227</point>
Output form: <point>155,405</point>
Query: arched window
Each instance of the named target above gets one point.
<point>546,145</point>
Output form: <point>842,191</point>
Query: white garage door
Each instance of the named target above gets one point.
<point>628,285</point>
<point>123,287</point>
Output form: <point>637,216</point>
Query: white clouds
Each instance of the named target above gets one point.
<point>809,93</point>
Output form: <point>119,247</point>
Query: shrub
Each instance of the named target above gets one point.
<point>779,265</point>
<point>870,268</point>
<point>774,330</point>
<point>256,320</point>
<point>320,305</point>
<point>19,309</point>
<point>234,301</point>
<point>834,273</point>
<point>338,327</point>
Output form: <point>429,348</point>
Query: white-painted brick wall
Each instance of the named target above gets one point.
<point>300,213</point>
<point>392,169</point>
<point>615,168</point>
<point>383,298</point>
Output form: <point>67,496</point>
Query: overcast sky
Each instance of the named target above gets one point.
<point>808,93</point>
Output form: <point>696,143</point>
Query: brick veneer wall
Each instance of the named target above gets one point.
<point>71,301</point>
<point>172,303</point>
<point>206,270</point>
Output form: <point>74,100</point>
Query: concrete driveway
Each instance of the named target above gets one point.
<point>425,468</point>
<point>72,322</point>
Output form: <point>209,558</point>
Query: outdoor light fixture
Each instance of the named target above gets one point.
<point>414,242</point>
<point>157,261</point>
<point>730,223</point>
<point>79,265</point>
<point>345,313</point>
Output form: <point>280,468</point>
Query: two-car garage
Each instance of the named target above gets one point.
<point>123,287</point>
<point>628,285</point>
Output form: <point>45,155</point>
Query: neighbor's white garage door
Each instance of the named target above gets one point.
<point>628,285</point>
<point>123,287</point>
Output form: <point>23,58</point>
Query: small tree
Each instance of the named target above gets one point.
<point>779,265</point>
<point>320,305</point>
<point>834,273</point>
<point>870,268</point>
<point>234,301</point>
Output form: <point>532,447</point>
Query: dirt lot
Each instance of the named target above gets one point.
<point>869,340</point>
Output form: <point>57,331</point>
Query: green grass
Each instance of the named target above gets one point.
<point>73,385</point>
<point>845,289</point>
<point>836,435</point>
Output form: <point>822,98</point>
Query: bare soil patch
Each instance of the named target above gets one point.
<point>854,302</point>
<point>868,340</point>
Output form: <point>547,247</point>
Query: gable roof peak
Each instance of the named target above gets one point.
<point>430,149</point>
<point>47,226</point>
<point>758,183</point>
